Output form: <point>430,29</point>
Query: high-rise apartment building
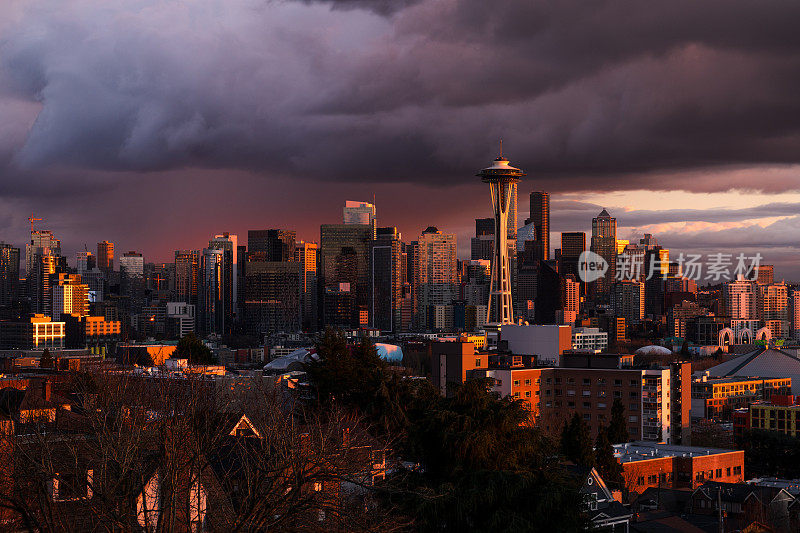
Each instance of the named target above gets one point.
<point>9,273</point>
<point>70,296</point>
<point>794,309</point>
<point>570,298</point>
<point>436,273</point>
<point>765,275</point>
<point>773,309</point>
<point>388,278</point>
<point>344,257</point>
<point>540,216</point>
<point>741,299</point>
<point>229,245</point>
<point>306,255</point>
<point>604,244</point>
<point>105,256</point>
<point>359,213</point>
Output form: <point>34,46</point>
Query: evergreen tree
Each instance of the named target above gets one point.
<point>46,360</point>
<point>618,428</point>
<point>193,349</point>
<point>605,462</point>
<point>576,443</point>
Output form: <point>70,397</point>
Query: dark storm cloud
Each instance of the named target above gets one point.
<point>383,7</point>
<point>588,95</point>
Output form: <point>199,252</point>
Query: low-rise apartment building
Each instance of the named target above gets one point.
<point>648,464</point>
<point>718,398</point>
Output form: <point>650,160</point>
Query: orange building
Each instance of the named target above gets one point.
<point>648,464</point>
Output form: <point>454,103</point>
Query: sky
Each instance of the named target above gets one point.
<point>158,123</point>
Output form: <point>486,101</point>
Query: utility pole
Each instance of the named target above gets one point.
<point>719,509</point>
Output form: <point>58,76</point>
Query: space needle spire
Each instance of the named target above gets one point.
<point>500,176</point>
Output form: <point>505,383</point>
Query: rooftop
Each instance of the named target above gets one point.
<point>642,451</point>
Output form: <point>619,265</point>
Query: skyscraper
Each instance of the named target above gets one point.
<point>229,245</point>
<point>38,279</point>
<point>9,273</point>
<point>86,261</point>
<point>41,240</point>
<point>344,257</point>
<point>628,300</point>
<point>105,256</point>
<point>211,291</point>
<point>436,275</point>
<point>604,244</point>
<point>573,244</point>
<point>187,268</point>
<point>272,303</point>
<point>306,255</point>
<point>482,244</point>
<point>500,177</point>
<point>271,245</point>
<point>359,213</point>
<point>131,269</point>
<point>540,216</point>
<point>387,279</point>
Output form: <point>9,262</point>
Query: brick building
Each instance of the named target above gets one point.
<point>648,464</point>
<point>652,398</point>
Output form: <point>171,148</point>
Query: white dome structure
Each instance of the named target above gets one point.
<point>653,350</point>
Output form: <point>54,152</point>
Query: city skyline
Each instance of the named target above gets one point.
<point>661,116</point>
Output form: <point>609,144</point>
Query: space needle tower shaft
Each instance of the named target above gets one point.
<point>500,176</point>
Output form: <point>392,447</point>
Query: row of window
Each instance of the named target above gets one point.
<point>710,474</point>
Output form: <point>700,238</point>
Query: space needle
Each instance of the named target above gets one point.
<point>500,177</point>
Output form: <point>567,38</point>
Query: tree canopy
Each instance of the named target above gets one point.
<point>193,349</point>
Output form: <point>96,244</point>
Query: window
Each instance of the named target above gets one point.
<point>601,406</point>
<point>570,404</point>
<point>633,394</point>
<point>728,471</point>
<point>516,394</point>
<point>640,481</point>
<point>571,392</point>
<point>633,383</point>
<point>586,393</point>
<point>719,472</point>
<point>633,407</point>
<point>601,394</point>
<point>587,416</point>
<point>548,404</point>
<point>317,486</point>
<point>737,470</point>
<point>516,383</point>
<point>587,405</point>
<point>527,382</point>
<point>587,381</point>
<point>633,418</point>
<point>618,383</point>
<point>477,362</point>
<point>528,394</point>
<point>617,394</point>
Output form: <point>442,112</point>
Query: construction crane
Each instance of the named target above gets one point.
<point>32,219</point>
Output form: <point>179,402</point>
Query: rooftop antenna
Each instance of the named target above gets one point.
<point>501,147</point>
<point>33,219</point>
